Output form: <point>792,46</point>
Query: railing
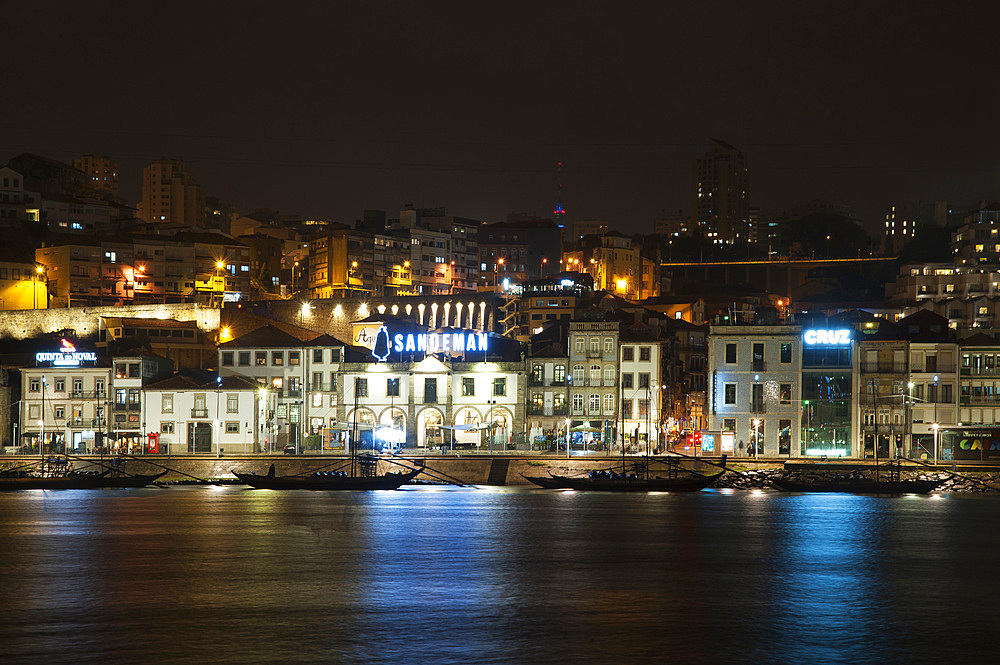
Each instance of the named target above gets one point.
<point>536,411</point>
<point>980,371</point>
<point>532,381</point>
<point>560,410</point>
<point>966,400</point>
<point>127,407</point>
<point>759,365</point>
<point>883,368</point>
<point>199,413</point>
<point>758,407</point>
<point>558,382</point>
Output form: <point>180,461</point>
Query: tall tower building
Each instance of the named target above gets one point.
<point>102,170</point>
<point>719,208</point>
<point>170,195</point>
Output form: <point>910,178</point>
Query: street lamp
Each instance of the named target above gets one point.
<point>218,423</point>
<point>496,276</point>
<point>756,438</point>
<point>219,265</point>
<point>935,426</point>
<point>34,287</point>
<point>567,438</point>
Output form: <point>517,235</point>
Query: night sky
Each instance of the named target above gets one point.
<point>324,109</point>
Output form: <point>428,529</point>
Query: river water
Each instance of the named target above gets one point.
<point>427,575</point>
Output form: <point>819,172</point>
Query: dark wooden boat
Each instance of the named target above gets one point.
<point>549,482</point>
<point>131,480</point>
<point>627,483</point>
<point>857,486</point>
<point>326,481</point>
<point>69,481</point>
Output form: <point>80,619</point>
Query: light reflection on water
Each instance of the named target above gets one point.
<point>494,576</point>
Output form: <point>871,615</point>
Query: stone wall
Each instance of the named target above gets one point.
<point>29,323</point>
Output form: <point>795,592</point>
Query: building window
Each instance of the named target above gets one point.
<point>628,353</point>
<point>644,354</point>
<point>536,374</point>
<point>595,345</point>
<point>595,405</point>
<point>731,353</point>
<point>643,408</point>
<point>392,387</point>
<point>60,385</point>
<point>317,355</point>
<point>730,392</point>
<point>468,387</point>
<point>786,353</point>
<point>227,358</point>
<point>609,345</point>
<point>577,403</point>
<point>609,403</point>
<point>34,385</point>
<point>643,380</point>
<point>537,402</point>
<point>578,371</point>
<point>627,379</point>
<point>167,427</point>
<point>360,387</point>
<point>579,345</point>
<point>243,358</point>
<point>785,393</point>
<point>293,357</point>
<point>627,409</point>
<point>559,374</point>
<point>260,358</point>
<point>232,403</point>
<point>609,375</point>
<point>500,386</point>
<point>232,427</point>
<point>167,403</point>
<point>277,358</point>
<point>729,424</point>
<point>595,375</point>
<point>430,390</point>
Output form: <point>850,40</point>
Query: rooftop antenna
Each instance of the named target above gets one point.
<point>558,213</point>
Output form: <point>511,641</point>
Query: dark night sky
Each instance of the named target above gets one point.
<point>324,109</point>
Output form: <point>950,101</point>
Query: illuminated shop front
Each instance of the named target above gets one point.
<point>827,394</point>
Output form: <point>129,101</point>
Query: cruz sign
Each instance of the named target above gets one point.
<point>827,337</point>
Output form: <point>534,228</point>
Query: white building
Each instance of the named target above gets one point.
<point>593,348</point>
<point>433,402</point>
<point>641,390</point>
<point>301,378</point>
<point>755,391</point>
<point>195,411</point>
<point>64,400</point>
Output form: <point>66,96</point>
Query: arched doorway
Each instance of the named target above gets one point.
<point>429,432</point>
<point>361,427</point>
<point>465,438</point>
<point>391,431</point>
<point>501,421</point>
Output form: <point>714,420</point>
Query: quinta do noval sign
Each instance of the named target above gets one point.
<point>66,356</point>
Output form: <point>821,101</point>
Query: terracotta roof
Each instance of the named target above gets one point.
<point>200,379</point>
<point>265,336</point>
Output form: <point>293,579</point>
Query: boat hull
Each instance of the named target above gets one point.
<point>693,483</point>
<point>71,482</point>
<point>388,481</point>
<point>862,486</point>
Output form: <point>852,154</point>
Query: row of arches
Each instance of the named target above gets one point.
<point>430,421</point>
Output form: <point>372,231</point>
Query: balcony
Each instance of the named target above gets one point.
<point>199,413</point>
<point>533,381</point>
<point>758,406</point>
<point>980,371</point>
<point>536,411</point>
<point>977,400</point>
<point>883,368</point>
<point>758,365</point>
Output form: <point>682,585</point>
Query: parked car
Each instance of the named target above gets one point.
<point>290,449</point>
